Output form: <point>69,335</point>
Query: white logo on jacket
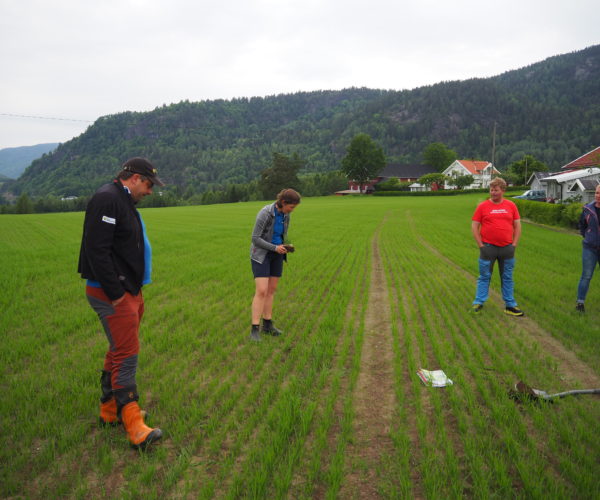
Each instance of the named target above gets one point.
<point>110,220</point>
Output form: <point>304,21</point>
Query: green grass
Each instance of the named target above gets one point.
<point>277,420</point>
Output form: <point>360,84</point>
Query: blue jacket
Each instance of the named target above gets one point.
<point>589,226</point>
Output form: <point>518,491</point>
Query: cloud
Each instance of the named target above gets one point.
<point>76,59</point>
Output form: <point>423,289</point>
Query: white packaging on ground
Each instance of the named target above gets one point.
<point>435,378</point>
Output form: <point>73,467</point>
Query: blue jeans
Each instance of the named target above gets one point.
<point>589,259</point>
<point>506,265</point>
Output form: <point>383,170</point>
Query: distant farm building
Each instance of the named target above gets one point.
<point>404,173</point>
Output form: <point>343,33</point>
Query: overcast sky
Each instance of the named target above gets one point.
<point>82,59</point>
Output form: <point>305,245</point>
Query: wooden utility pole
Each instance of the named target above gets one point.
<point>493,151</point>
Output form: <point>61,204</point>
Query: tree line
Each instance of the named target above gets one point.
<point>283,172</point>
<point>364,160</point>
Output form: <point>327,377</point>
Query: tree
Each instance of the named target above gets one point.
<point>511,178</point>
<point>392,184</point>
<point>430,179</point>
<point>363,161</point>
<point>24,205</point>
<point>437,155</point>
<point>282,174</point>
<point>525,167</point>
<point>460,181</point>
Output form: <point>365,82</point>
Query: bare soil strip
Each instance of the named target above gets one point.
<point>569,365</point>
<point>374,394</point>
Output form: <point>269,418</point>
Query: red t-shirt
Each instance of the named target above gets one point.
<point>497,221</point>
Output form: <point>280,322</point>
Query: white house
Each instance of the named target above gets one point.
<point>585,188</point>
<point>482,172</point>
<point>535,180</point>
<point>415,186</point>
<point>562,186</point>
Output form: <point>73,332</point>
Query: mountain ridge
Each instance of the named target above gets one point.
<point>14,161</point>
<point>550,109</point>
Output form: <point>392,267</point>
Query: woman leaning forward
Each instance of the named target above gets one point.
<point>267,253</point>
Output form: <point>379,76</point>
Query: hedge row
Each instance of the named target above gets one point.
<point>441,192</point>
<point>444,192</point>
<point>566,215</point>
<point>549,213</point>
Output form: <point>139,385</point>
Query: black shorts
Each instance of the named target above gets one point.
<point>271,266</point>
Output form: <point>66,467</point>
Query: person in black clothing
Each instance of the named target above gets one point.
<point>116,260</point>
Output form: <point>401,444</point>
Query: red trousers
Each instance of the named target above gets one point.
<point>121,324</point>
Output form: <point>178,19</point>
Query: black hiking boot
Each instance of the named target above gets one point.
<point>269,328</point>
<point>255,334</point>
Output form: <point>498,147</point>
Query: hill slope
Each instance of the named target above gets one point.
<point>550,109</point>
<point>14,161</point>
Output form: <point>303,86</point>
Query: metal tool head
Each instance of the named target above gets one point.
<point>523,392</point>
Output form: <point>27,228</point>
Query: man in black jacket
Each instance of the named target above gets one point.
<point>116,260</point>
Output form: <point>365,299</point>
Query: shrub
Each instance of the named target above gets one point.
<point>393,184</point>
<point>565,215</point>
<point>545,213</point>
<point>571,214</point>
<point>441,192</point>
<point>444,192</point>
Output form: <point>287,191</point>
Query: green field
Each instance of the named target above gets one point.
<point>378,288</point>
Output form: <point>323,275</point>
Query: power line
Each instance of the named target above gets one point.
<point>46,118</point>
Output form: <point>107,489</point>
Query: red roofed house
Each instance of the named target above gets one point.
<point>482,172</point>
<point>591,159</point>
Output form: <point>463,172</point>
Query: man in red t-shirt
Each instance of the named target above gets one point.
<point>496,227</point>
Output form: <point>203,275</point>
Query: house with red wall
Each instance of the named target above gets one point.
<point>402,172</point>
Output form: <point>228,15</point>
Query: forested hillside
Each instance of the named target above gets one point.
<point>550,109</point>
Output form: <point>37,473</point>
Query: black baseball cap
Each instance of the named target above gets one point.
<point>143,167</point>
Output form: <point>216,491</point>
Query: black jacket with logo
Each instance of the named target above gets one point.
<point>112,246</point>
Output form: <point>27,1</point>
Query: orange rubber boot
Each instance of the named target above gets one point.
<point>139,434</point>
<point>108,413</point>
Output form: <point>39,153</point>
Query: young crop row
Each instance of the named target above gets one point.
<point>272,399</point>
<point>281,419</point>
<point>470,439</point>
<point>546,275</point>
<point>224,403</point>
